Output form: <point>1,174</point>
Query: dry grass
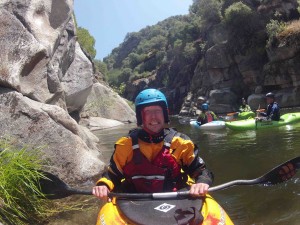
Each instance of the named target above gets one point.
<point>291,28</point>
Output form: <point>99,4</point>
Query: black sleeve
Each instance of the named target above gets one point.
<point>197,169</point>
<point>112,173</point>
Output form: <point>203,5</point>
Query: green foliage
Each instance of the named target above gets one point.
<point>177,44</point>
<point>147,50</point>
<point>20,196</point>
<point>124,75</point>
<point>86,41</point>
<point>237,15</point>
<point>208,10</point>
<point>135,59</point>
<point>122,88</point>
<point>298,1</point>
<point>190,52</point>
<point>101,67</point>
<point>113,76</point>
<point>148,45</point>
<point>274,27</point>
<point>242,24</point>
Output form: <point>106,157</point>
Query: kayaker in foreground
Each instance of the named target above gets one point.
<point>273,110</point>
<point>206,116</point>
<point>151,158</point>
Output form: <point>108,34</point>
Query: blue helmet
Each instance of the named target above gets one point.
<point>150,97</point>
<point>204,106</point>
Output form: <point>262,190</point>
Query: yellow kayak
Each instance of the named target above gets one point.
<point>205,211</point>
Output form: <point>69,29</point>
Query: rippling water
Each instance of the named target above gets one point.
<point>235,155</point>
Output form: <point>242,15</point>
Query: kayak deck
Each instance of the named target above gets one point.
<point>167,212</point>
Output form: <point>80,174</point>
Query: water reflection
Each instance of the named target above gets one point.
<point>235,155</point>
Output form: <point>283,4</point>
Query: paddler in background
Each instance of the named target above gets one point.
<point>153,158</point>
<point>244,106</point>
<point>273,110</point>
<point>206,115</point>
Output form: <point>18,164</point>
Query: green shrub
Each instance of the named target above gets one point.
<point>190,52</point>
<point>113,77</point>
<point>208,10</point>
<point>237,15</point>
<point>101,67</point>
<point>86,41</point>
<point>243,24</point>
<point>20,196</point>
<point>274,27</point>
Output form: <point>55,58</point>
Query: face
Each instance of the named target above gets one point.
<point>270,100</point>
<point>153,118</point>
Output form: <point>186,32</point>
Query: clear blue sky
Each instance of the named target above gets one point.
<point>108,21</point>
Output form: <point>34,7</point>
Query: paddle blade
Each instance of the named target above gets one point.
<point>53,187</point>
<point>281,173</point>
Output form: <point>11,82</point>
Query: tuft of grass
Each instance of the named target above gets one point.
<point>20,197</point>
<point>291,28</point>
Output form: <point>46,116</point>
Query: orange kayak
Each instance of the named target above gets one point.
<point>205,211</point>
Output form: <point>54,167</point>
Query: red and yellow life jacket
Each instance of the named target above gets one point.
<point>162,174</point>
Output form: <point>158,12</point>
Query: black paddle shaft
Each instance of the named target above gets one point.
<point>55,188</point>
<point>279,174</point>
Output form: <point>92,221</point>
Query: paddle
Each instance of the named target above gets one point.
<point>257,113</point>
<point>54,188</point>
<point>232,113</point>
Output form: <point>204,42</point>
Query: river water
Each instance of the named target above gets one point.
<point>232,155</point>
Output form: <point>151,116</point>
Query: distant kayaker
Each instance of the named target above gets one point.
<point>273,110</point>
<point>206,116</point>
<point>244,107</point>
<point>153,158</point>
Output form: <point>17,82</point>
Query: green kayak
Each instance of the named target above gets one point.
<point>245,115</point>
<point>251,124</point>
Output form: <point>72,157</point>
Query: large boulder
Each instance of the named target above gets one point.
<point>44,78</point>
<point>78,81</point>
<point>222,100</point>
<point>104,102</point>
<point>288,97</point>
<point>31,33</point>
<point>70,151</point>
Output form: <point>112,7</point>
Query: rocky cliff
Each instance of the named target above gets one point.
<point>47,85</point>
<point>221,51</point>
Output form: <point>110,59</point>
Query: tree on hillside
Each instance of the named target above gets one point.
<point>242,23</point>
<point>86,41</point>
<point>101,67</point>
<point>208,10</point>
